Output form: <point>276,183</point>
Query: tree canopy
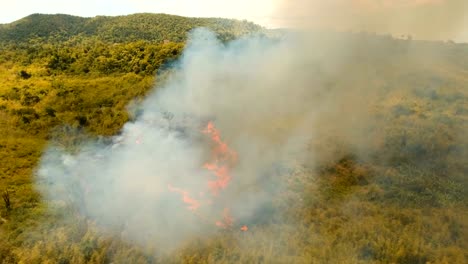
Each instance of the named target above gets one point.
<point>117,29</point>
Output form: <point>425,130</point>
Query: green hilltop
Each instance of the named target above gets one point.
<point>117,29</point>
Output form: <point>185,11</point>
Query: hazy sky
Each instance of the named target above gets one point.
<point>427,19</point>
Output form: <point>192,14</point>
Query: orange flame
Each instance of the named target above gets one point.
<point>223,158</point>
<point>221,152</point>
<point>244,228</point>
<point>193,204</point>
<point>223,177</point>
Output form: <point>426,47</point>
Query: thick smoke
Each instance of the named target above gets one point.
<point>267,100</point>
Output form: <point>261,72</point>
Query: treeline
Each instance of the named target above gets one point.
<point>64,83</point>
<point>118,29</point>
<point>140,57</point>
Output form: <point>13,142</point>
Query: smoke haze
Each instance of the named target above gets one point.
<point>267,105</point>
<point>299,98</point>
<point>424,19</point>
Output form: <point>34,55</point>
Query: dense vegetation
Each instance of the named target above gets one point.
<point>149,27</point>
<point>406,203</point>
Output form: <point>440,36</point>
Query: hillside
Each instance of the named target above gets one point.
<point>118,29</point>
<point>382,179</point>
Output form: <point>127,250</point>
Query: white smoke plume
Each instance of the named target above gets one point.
<point>267,100</point>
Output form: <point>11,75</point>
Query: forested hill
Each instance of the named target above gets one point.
<point>117,29</point>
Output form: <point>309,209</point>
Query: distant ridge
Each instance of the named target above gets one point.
<point>117,29</point>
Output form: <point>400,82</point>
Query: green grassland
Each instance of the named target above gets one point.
<point>405,203</point>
